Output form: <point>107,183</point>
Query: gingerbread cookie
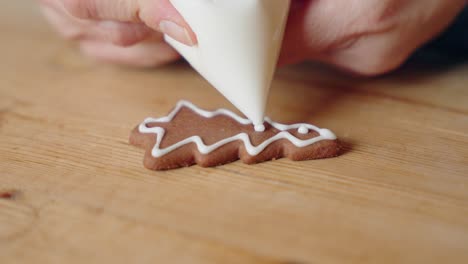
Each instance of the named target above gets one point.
<point>189,135</point>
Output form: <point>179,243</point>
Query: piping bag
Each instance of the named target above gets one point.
<point>238,48</point>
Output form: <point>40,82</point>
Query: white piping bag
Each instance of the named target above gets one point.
<point>238,47</point>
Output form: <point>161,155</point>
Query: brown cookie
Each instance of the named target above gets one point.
<point>189,135</point>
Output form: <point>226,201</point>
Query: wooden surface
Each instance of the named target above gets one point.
<point>73,190</point>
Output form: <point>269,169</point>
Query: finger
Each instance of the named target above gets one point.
<point>146,54</point>
<point>157,14</point>
<point>367,37</point>
<point>320,27</point>
<point>121,33</point>
<point>372,54</point>
<point>118,33</point>
<point>384,51</point>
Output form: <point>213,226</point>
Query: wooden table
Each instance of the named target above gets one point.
<point>73,191</point>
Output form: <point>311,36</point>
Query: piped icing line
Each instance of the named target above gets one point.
<point>303,128</point>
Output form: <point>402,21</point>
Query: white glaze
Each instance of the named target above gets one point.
<point>238,47</point>
<point>303,130</point>
<point>259,128</point>
<point>157,152</point>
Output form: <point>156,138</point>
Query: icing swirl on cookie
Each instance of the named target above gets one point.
<point>324,134</point>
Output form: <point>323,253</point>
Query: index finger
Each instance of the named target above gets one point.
<point>159,15</point>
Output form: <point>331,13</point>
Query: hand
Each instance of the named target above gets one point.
<point>368,37</point>
<point>120,31</point>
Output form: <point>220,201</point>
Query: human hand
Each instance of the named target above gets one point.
<point>120,31</point>
<point>368,37</point>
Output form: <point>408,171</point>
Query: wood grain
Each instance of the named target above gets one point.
<point>73,191</point>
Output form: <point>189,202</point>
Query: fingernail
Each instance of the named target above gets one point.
<point>176,32</point>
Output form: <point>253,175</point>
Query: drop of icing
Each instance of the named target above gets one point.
<point>259,128</point>
<point>303,130</point>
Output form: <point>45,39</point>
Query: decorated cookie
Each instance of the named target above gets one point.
<point>190,135</point>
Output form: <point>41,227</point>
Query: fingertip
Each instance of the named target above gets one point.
<point>162,16</point>
<point>176,32</point>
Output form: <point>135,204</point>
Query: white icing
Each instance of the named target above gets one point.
<point>259,128</point>
<point>303,130</point>
<point>157,152</point>
<point>238,47</point>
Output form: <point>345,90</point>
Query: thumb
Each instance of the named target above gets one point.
<point>159,15</point>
